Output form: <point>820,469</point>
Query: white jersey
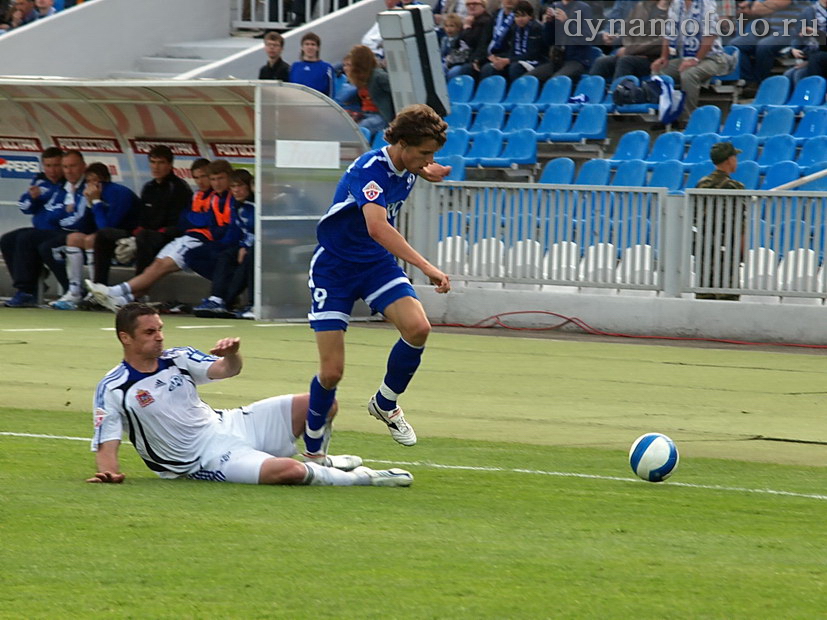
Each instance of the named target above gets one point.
<point>165,418</point>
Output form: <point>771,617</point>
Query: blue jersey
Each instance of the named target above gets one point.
<point>36,207</point>
<point>316,74</point>
<point>342,231</point>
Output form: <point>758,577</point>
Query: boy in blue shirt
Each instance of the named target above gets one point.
<point>311,71</point>
<point>357,259</point>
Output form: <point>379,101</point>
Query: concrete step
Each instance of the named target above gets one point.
<point>173,66</point>
<point>213,49</point>
<point>140,75</point>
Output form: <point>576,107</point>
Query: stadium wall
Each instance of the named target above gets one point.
<point>74,43</point>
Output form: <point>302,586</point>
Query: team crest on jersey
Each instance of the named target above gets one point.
<point>144,398</point>
<point>372,190</point>
<point>100,414</point>
<point>175,382</point>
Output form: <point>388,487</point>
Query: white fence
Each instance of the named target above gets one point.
<point>277,14</point>
<point>625,239</point>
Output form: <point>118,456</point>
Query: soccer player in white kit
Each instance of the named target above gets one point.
<point>152,396</point>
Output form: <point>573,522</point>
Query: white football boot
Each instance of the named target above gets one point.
<point>394,477</point>
<point>101,294</point>
<point>400,430</point>
<point>345,462</point>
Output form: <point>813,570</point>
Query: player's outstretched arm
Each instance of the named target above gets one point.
<point>392,240</point>
<point>106,460</point>
<point>230,363</point>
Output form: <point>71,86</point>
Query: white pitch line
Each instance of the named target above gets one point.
<point>536,472</point>
<point>35,329</point>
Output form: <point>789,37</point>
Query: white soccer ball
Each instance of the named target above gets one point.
<point>653,457</point>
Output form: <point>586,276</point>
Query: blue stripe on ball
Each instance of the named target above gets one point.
<point>640,450</point>
<point>657,475</point>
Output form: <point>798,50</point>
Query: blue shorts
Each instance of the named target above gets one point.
<point>335,285</point>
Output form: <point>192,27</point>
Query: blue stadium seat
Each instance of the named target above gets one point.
<point>457,163</point>
<point>812,124</point>
<point>489,90</point>
<point>591,124</point>
<point>775,122</point>
<point>705,119</point>
<point>774,90</point>
<point>379,140</point>
<point>740,120</point>
<point>555,90</point>
<point>697,173</point>
<point>777,148</point>
<point>630,173</point>
<point>698,152</point>
<point>559,171</point>
<point>460,116</point>
<point>748,144</point>
<point>461,89</point>
<point>809,91</point>
<point>557,119</point>
<point>489,116</point>
<point>780,173</point>
<point>520,148</point>
<point>592,88</point>
<point>668,174</point>
<point>668,145</point>
<point>365,134</point>
<point>521,117</point>
<point>593,172</point>
<point>455,144</point>
<point>632,145</point>
<point>523,90</point>
<point>818,185</point>
<point>813,152</point>
<point>748,173</point>
<point>486,144</point>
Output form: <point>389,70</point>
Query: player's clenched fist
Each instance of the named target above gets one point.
<point>107,476</point>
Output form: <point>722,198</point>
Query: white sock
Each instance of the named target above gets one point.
<point>318,475</point>
<point>216,300</point>
<point>90,263</point>
<point>74,269</point>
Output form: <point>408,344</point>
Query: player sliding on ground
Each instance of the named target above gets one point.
<point>152,396</point>
<point>357,259</point>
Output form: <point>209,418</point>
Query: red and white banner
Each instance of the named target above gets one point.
<point>88,145</point>
<point>28,145</point>
<point>179,148</point>
<point>233,149</point>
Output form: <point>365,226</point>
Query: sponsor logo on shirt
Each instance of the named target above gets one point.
<point>372,190</point>
<point>144,398</point>
<point>159,383</point>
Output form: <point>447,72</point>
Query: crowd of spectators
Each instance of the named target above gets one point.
<point>17,13</point>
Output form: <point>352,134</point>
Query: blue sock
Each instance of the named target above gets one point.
<point>321,400</point>
<point>402,364</point>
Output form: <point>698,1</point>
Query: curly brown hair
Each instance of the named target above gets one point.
<point>415,124</point>
<point>362,64</point>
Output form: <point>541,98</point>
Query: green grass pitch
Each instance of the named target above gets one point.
<point>523,504</point>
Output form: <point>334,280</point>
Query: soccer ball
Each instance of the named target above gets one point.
<point>653,457</point>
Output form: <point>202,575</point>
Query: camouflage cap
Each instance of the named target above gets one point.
<point>721,151</point>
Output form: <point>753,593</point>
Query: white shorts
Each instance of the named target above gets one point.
<point>248,436</point>
<point>178,248</point>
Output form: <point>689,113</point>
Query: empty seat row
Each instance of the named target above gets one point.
<point>525,90</point>
<point>744,119</point>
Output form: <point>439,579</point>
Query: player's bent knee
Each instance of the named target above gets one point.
<point>417,333</point>
<point>282,471</point>
<point>331,377</point>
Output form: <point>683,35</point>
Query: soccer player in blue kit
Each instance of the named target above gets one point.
<point>357,259</point>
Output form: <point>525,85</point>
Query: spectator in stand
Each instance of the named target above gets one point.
<point>163,204</point>
<point>451,29</point>
<point>113,206</point>
<point>569,54</point>
<point>444,8</point>
<point>817,59</point>
<point>806,44</point>
<point>473,40</point>
<point>640,45</point>
<point>373,38</point>
<point>311,70</point>
<point>524,48</point>
<point>276,68</point>
<point>700,54</point>
<point>22,12</point>
<point>234,268</point>
<point>19,247</point>
<point>501,24</point>
<point>373,88</point>
<point>769,33</point>
<point>45,8</point>
<point>213,230</point>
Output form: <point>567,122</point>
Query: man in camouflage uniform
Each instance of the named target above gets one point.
<point>725,157</point>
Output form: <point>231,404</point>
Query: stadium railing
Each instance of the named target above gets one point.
<point>765,245</point>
